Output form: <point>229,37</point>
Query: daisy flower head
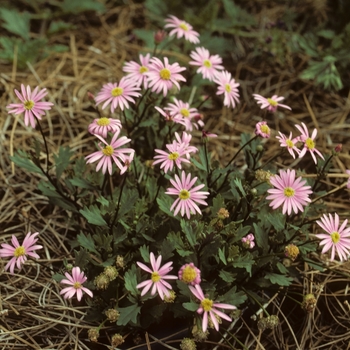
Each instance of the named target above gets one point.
<point>183,142</point>
<point>289,143</point>
<point>159,275</point>
<point>137,71</point>
<point>210,308</point>
<point>176,156</point>
<point>75,282</point>
<point>262,129</point>
<point>118,94</point>
<point>19,252</point>
<point>309,142</point>
<point>288,191</point>
<point>190,274</point>
<point>181,111</point>
<point>337,238</point>
<point>110,151</point>
<point>30,104</point>
<point>270,103</point>
<point>101,126</point>
<point>181,29</point>
<point>227,86</point>
<point>188,196</point>
<point>208,64</point>
<point>162,76</point>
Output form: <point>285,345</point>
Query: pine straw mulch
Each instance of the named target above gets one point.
<point>33,315</point>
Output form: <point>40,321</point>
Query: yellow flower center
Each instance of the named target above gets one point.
<point>289,192</point>
<point>335,237</point>
<point>103,121</point>
<point>227,87</point>
<point>165,74</point>
<point>265,129</point>
<point>185,112</point>
<point>310,144</point>
<point>207,304</point>
<point>19,251</point>
<point>155,277</point>
<point>184,27</point>
<point>117,91</point>
<point>143,69</point>
<point>189,274</point>
<point>28,105</point>
<point>273,103</point>
<point>184,194</point>
<point>77,285</point>
<point>108,151</point>
<point>207,63</point>
<point>173,156</point>
<point>289,143</point>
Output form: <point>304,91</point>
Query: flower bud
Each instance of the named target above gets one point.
<point>117,340</point>
<point>112,315</point>
<point>111,272</point>
<point>188,344</point>
<point>101,281</point>
<point>93,334</point>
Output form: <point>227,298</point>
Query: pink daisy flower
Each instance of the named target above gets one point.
<point>309,142</point>
<point>210,308</point>
<point>110,152</point>
<point>187,196</point>
<point>270,103</point>
<point>208,65</point>
<point>207,134</point>
<point>176,156</point>
<point>137,71</point>
<point>290,192</point>
<point>118,94</point>
<point>101,126</point>
<point>227,86</point>
<point>19,253</point>
<point>190,274</point>
<point>289,143</point>
<point>248,241</point>
<point>262,129</point>
<point>31,105</point>
<point>181,29</point>
<point>158,277</point>
<point>184,143</point>
<point>182,111</point>
<point>75,283</point>
<point>162,76</point>
<point>337,238</point>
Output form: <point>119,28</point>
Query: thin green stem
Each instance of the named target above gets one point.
<point>241,148</point>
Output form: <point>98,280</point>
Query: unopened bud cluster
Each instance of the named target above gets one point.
<point>269,322</point>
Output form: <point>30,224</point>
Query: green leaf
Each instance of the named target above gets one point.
<point>21,159</point>
<point>188,231</point>
<point>81,258</point>
<point>87,242</point>
<point>277,220</point>
<point>147,36</point>
<point>93,215</point>
<point>59,26</point>
<point>144,250</point>
<point>245,262</point>
<point>165,204</point>
<point>128,314</point>
<point>130,280</point>
<point>282,268</point>
<point>233,297</point>
<point>191,306</point>
<point>62,160</point>
<point>16,22</point>
<point>222,255</point>
<point>281,280</point>
<point>261,237</point>
<point>81,183</point>
<point>227,276</point>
